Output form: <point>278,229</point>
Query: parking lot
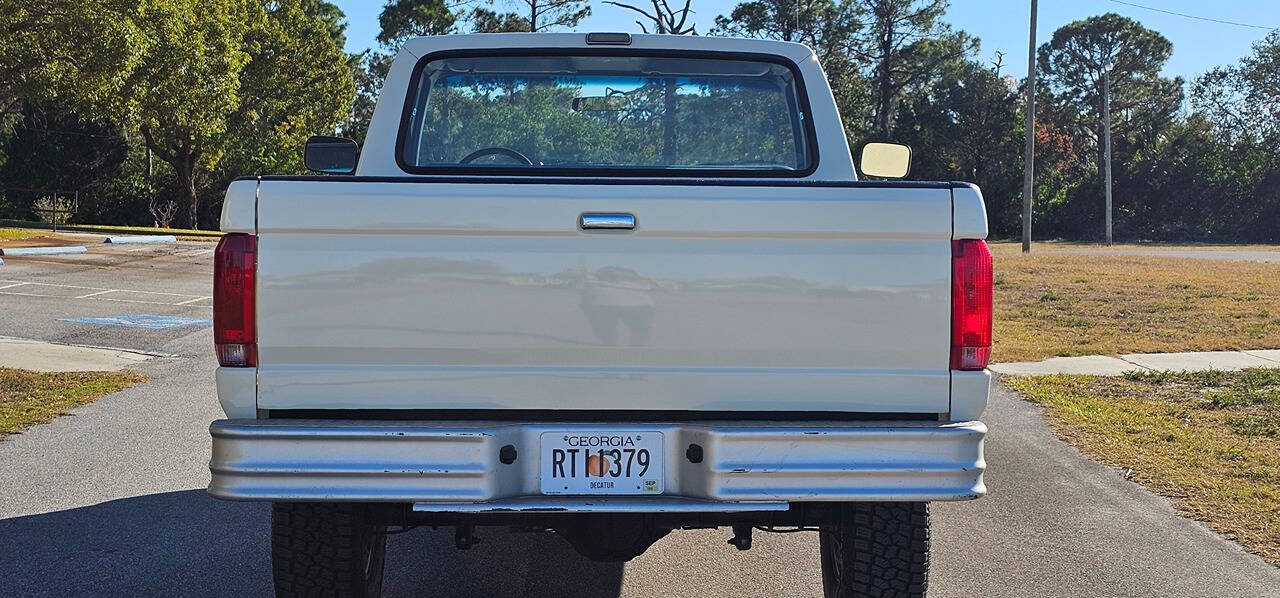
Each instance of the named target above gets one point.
<point>110,500</point>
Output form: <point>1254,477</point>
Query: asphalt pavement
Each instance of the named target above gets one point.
<point>110,501</point>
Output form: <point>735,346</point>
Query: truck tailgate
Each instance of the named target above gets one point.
<point>430,295</point>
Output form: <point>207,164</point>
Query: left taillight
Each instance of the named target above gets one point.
<point>971,287</point>
<point>235,265</point>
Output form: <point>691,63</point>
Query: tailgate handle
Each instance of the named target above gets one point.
<point>607,220</point>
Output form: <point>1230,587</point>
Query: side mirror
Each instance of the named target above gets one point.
<point>330,155</point>
<point>885,160</point>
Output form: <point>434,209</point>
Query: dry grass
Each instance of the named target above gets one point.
<point>28,398</point>
<point>1055,303</point>
<point>17,234</point>
<point>143,230</point>
<point>1069,246</point>
<point>1210,441</point>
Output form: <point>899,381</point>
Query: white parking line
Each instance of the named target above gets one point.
<point>72,286</point>
<point>146,302</point>
<point>179,299</point>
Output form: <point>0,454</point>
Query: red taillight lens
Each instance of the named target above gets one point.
<point>235,265</point>
<point>971,280</point>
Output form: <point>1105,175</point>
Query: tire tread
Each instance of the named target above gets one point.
<point>881,550</point>
<point>317,549</point>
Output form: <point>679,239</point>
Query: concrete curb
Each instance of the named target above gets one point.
<point>133,239</point>
<point>1104,365</point>
<point>62,250</point>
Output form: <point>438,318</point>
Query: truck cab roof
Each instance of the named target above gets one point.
<point>421,46</point>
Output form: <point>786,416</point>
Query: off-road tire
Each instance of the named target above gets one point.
<point>877,550</point>
<point>321,549</point>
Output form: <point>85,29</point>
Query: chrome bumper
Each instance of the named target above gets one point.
<point>455,466</point>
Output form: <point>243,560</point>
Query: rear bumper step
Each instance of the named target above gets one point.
<point>610,504</point>
<point>455,466</point>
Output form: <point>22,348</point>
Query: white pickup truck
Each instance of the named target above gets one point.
<point>608,286</point>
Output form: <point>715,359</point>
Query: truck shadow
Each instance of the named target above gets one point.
<point>187,544</point>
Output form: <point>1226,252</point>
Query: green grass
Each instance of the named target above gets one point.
<point>1208,440</point>
<point>141,229</point>
<point>111,228</point>
<point>16,234</point>
<point>28,398</point>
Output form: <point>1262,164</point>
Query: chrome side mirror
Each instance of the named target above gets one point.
<point>885,160</point>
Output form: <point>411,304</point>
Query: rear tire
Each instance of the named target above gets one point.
<point>320,549</point>
<point>876,550</point>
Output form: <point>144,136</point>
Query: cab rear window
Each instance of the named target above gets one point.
<point>552,114</point>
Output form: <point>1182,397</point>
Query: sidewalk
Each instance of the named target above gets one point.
<point>40,356</point>
<point>1103,365</point>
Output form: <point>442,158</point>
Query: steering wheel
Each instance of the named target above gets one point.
<point>496,151</point>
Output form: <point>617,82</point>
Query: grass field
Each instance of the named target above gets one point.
<point>1071,246</point>
<point>141,230</point>
<point>28,398</point>
<point>1210,441</point>
<point>1058,302</point>
<point>18,226</point>
<point>16,234</point>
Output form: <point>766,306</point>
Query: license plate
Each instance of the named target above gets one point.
<point>584,462</point>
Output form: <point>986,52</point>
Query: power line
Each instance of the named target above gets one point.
<point>1198,18</point>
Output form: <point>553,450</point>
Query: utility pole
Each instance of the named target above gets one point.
<point>1106,125</point>
<point>1028,176</point>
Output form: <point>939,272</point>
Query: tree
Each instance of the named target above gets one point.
<point>533,15</point>
<point>78,52</point>
<point>903,43</point>
<point>662,17</point>
<point>1072,63</point>
<point>403,19</point>
<point>828,27</point>
<point>824,25</point>
<point>245,76</point>
<point>484,20</point>
<point>298,83</point>
<point>188,82</point>
<point>965,126</point>
<point>332,17</point>
<point>369,72</point>
<point>1239,178</point>
<point>1243,101</point>
<point>52,149</point>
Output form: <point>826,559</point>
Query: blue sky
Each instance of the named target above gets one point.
<point>1000,24</point>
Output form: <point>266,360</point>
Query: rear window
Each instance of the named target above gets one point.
<point>623,114</point>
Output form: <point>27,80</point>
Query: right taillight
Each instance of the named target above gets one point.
<point>235,264</point>
<point>971,281</point>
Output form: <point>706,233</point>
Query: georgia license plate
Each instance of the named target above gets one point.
<point>580,462</point>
